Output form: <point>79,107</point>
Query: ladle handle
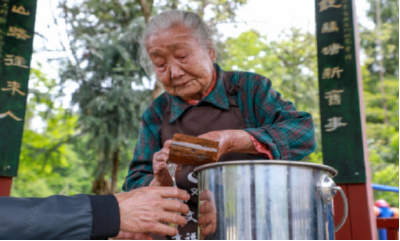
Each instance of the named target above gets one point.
<point>192,151</point>
<point>345,208</point>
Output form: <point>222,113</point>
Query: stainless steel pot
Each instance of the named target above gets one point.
<point>267,200</point>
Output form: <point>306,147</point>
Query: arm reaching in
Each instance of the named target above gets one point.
<point>142,210</point>
<point>131,214</point>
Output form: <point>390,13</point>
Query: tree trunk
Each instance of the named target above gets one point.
<point>146,9</point>
<point>380,59</point>
<point>101,186</point>
<point>115,171</point>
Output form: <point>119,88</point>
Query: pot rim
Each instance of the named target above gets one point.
<point>332,170</point>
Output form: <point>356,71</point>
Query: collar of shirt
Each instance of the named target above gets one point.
<point>218,97</point>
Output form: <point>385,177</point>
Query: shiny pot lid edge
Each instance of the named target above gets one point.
<point>332,170</point>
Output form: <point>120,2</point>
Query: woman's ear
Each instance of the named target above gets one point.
<point>211,53</point>
<point>211,50</point>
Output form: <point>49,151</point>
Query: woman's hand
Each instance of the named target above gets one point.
<point>222,137</point>
<point>207,213</point>
<point>161,174</point>
<point>232,141</point>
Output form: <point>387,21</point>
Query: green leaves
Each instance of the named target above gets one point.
<point>289,63</point>
<point>48,164</point>
<point>389,36</point>
<point>383,138</point>
<point>106,34</point>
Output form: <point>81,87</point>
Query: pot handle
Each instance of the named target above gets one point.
<point>328,190</point>
<point>345,208</point>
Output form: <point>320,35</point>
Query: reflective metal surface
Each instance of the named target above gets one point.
<point>325,186</point>
<point>264,200</point>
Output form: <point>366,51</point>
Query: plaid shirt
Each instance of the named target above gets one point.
<point>288,133</point>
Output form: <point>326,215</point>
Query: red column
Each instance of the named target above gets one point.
<point>5,186</point>
<point>361,220</point>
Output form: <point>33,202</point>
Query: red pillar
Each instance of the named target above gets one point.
<point>5,186</point>
<point>361,220</point>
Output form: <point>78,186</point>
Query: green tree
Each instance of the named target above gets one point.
<point>389,37</point>
<point>109,107</point>
<point>381,91</point>
<point>383,139</point>
<point>381,45</point>
<point>48,164</point>
<point>290,63</point>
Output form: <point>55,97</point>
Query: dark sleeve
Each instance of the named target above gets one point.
<point>105,216</point>
<point>55,217</point>
<point>59,217</point>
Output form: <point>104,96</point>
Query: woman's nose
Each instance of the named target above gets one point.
<point>176,72</point>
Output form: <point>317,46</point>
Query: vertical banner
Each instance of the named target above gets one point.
<point>339,92</point>
<point>17,20</point>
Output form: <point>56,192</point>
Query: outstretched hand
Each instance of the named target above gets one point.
<point>142,210</point>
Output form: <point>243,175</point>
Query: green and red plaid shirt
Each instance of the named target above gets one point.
<point>288,133</point>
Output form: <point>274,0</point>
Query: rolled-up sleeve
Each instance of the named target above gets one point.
<point>288,133</point>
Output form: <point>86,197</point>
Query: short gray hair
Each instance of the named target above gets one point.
<point>169,19</point>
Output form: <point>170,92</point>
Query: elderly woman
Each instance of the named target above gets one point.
<point>240,110</point>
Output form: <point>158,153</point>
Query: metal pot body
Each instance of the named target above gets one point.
<point>263,200</point>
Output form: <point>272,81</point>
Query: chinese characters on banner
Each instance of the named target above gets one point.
<point>17,19</point>
<point>342,140</point>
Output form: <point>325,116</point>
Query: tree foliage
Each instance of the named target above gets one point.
<point>389,37</point>
<point>48,164</point>
<point>103,43</point>
<point>290,63</point>
<point>383,138</point>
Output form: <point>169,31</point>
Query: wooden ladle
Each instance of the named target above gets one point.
<point>193,151</point>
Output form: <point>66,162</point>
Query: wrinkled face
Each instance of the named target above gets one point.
<point>183,66</point>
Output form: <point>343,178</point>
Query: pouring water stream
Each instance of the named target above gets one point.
<point>172,169</point>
